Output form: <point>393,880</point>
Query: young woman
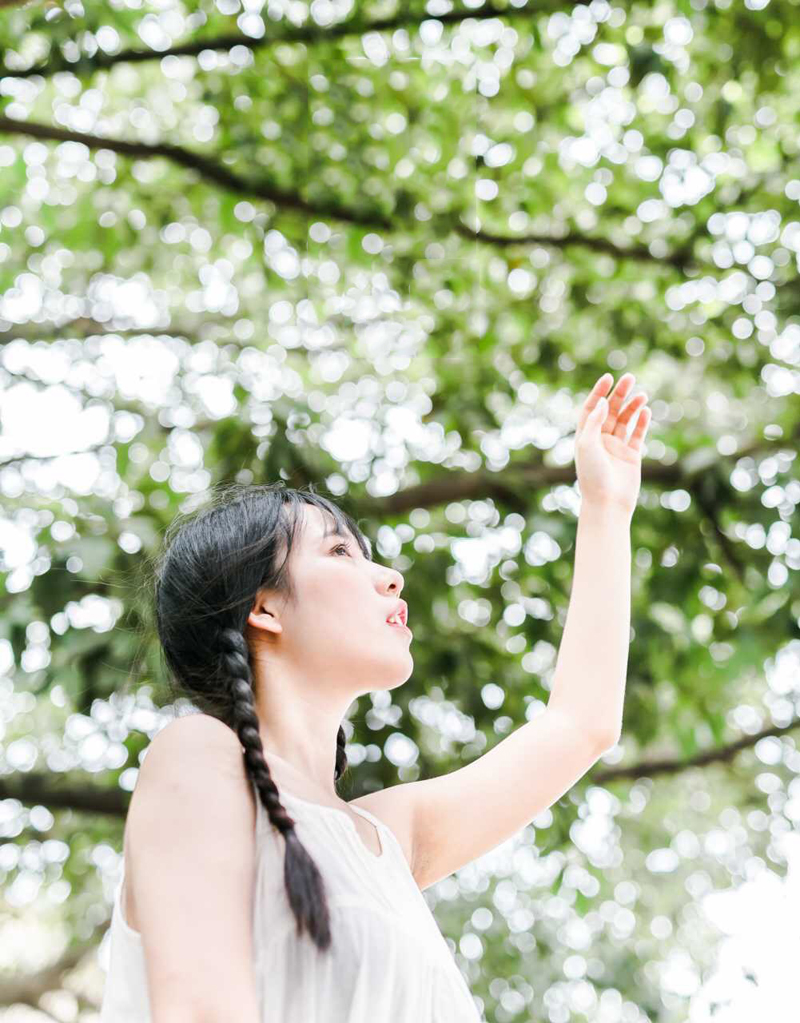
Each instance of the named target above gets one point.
<point>251,891</point>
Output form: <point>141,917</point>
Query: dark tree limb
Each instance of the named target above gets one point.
<point>680,259</point>
<point>511,485</point>
<point>288,200</point>
<point>202,165</point>
<point>280,32</point>
<point>34,788</point>
<point>46,789</point>
<point>675,765</point>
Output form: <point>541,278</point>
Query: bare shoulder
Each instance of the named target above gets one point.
<point>394,807</point>
<point>197,740</point>
<point>192,873</point>
<point>198,731</point>
<point>192,772</point>
<point>195,749</point>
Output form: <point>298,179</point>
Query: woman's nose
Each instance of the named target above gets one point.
<point>395,581</point>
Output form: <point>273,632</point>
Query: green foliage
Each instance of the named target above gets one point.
<point>445,235</point>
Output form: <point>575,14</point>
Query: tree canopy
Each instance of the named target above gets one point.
<point>387,250</point>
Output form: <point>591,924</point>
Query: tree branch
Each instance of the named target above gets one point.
<point>675,765</point>
<point>679,259</point>
<point>202,165</point>
<point>524,477</point>
<point>513,484</point>
<point>281,32</point>
<point>287,199</point>
<point>85,327</point>
<point>459,485</point>
<point>48,790</point>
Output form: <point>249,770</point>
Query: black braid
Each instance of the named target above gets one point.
<point>304,884</point>
<point>341,756</point>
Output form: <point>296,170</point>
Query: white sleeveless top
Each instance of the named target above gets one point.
<point>388,960</point>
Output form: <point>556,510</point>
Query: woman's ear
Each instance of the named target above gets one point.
<point>263,617</point>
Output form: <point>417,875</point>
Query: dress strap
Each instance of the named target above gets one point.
<point>384,828</point>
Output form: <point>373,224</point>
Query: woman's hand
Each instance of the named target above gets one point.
<point>609,466</point>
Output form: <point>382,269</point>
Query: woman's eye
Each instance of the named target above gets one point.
<point>342,547</point>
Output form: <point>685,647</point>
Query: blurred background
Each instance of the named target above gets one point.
<point>388,248</point>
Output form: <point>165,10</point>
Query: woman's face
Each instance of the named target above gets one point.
<point>337,629</point>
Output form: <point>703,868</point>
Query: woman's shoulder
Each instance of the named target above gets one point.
<point>193,770</point>
<point>197,727</point>
<point>192,755</point>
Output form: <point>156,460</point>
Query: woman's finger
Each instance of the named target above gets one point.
<point>640,429</point>
<point>625,416</point>
<point>615,400</point>
<point>599,391</point>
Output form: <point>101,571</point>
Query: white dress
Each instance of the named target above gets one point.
<point>388,960</point>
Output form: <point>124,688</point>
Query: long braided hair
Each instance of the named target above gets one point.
<point>207,575</point>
